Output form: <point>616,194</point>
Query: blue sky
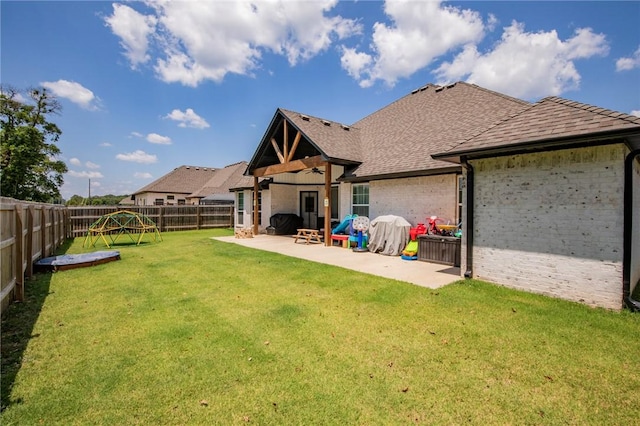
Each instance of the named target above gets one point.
<point>149,86</point>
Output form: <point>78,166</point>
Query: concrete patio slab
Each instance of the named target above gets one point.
<point>425,274</point>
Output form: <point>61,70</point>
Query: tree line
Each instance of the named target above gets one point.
<point>100,200</point>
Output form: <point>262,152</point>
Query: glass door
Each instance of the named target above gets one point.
<point>309,209</point>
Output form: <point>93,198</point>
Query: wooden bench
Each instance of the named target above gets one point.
<point>309,235</point>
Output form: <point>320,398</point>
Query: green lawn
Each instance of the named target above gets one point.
<point>196,331</point>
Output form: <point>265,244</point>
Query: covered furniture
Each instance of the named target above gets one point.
<point>285,223</point>
<point>388,235</point>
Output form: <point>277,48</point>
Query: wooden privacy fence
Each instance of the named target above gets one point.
<point>28,232</point>
<point>166,218</point>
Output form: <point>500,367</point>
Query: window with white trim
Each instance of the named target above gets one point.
<point>360,199</point>
<point>240,209</point>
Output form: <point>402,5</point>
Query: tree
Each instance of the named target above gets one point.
<point>29,169</point>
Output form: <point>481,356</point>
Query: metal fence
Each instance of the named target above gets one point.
<point>166,218</point>
<point>28,232</point>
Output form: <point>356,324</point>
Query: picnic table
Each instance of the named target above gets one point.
<point>309,235</point>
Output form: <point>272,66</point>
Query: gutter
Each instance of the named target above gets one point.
<point>632,305</point>
<point>468,233</point>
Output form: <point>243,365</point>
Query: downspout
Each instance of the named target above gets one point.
<point>632,304</point>
<point>468,234</point>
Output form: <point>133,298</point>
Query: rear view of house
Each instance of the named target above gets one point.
<point>323,170</point>
<point>547,193</point>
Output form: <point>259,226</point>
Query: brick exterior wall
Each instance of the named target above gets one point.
<point>415,198</point>
<point>635,242</point>
<point>552,223</point>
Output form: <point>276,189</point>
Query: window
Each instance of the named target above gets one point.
<point>158,202</point>
<point>240,211</point>
<point>360,200</point>
<point>181,202</point>
<point>335,206</point>
<point>170,197</point>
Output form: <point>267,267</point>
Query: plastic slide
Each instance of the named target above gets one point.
<point>340,229</point>
<point>411,249</point>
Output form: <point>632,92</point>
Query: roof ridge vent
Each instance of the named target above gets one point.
<point>449,86</point>
<point>326,123</point>
<point>345,127</point>
<point>304,117</point>
<point>439,89</point>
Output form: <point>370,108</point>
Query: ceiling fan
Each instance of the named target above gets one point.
<point>316,171</point>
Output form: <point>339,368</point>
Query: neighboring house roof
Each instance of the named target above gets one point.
<point>222,180</point>
<point>551,121</point>
<point>181,180</point>
<point>397,140</point>
<point>126,201</point>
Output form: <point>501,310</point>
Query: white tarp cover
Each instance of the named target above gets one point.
<point>388,235</point>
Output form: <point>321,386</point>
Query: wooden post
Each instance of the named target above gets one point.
<point>327,204</point>
<point>256,213</point>
<point>197,216</point>
<point>29,248</point>
<point>160,224</point>
<point>43,232</point>
<point>19,259</point>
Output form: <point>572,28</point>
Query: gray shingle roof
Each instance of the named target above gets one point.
<point>550,119</point>
<point>183,180</point>
<point>222,180</point>
<point>401,137</point>
<point>335,140</point>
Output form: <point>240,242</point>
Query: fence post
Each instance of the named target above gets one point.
<point>160,215</point>
<point>29,249</point>
<point>19,259</point>
<point>197,216</point>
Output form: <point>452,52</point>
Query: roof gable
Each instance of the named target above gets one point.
<point>298,136</point>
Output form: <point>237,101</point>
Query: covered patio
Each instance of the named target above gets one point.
<point>425,274</point>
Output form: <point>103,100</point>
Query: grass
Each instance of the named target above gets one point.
<point>197,331</point>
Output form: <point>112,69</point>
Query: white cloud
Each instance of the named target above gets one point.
<point>629,63</point>
<point>105,144</point>
<point>199,41</point>
<point>354,62</point>
<point>85,174</point>
<point>75,161</point>
<point>73,91</point>
<point>90,165</point>
<point>188,118</point>
<point>136,134</point>
<point>134,30</point>
<point>158,139</point>
<point>142,175</point>
<point>635,112</point>
<point>138,156</point>
<point>526,65</point>
<point>96,184</point>
<point>420,33</point>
